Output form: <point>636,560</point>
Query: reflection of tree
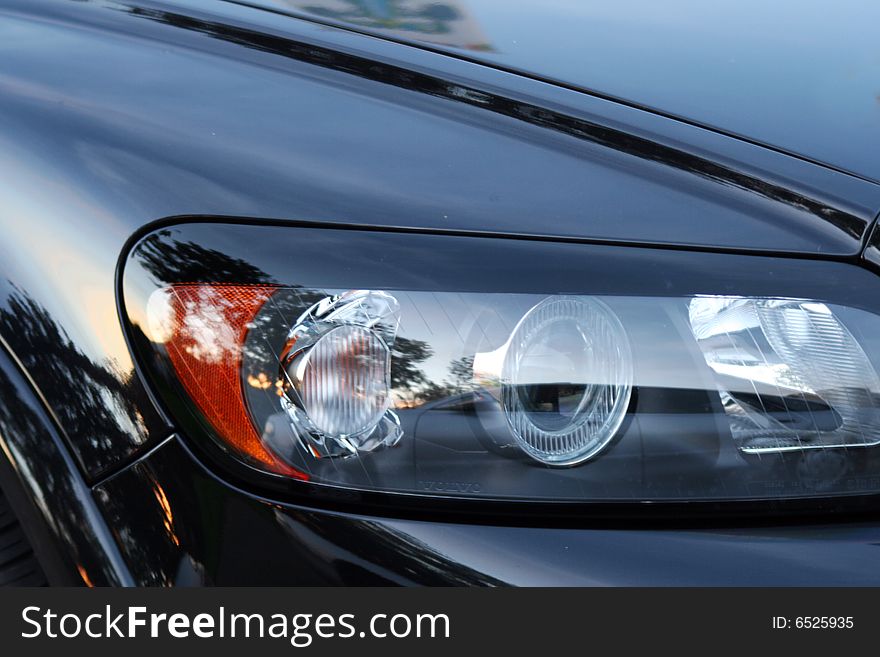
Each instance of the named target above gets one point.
<point>417,388</point>
<point>172,261</point>
<point>407,379</point>
<point>461,374</point>
<point>426,18</point>
<point>431,392</point>
<point>406,354</point>
<point>274,322</point>
<point>17,419</point>
<point>92,401</point>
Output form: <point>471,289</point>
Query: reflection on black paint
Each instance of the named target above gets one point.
<point>91,400</point>
<point>617,140</point>
<point>234,539</point>
<point>170,261</point>
<point>443,23</point>
<point>318,548</point>
<point>64,528</point>
<point>378,555</point>
<point>433,18</point>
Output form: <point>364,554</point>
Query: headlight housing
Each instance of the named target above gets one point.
<point>497,369</point>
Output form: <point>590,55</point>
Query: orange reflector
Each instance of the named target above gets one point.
<point>210,322</point>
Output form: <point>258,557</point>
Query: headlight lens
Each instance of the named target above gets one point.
<point>566,380</point>
<point>505,388</point>
<point>791,376</point>
<point>335,374</point>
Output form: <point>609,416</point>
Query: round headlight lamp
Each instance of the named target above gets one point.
<point>336,371</point>
<point>567,380</point>
<point>343,380</point>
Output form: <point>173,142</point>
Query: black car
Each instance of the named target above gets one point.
<point>461,292</point>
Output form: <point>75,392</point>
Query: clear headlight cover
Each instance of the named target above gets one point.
<point>790,374</point>
<point>566,381</point>
<point>504,388</point>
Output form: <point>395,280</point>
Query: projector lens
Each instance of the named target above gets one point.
<point>567,380</point>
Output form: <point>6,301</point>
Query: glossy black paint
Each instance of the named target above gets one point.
<point>116,114</point>
<point>52,502</point>
<point>169,511</point>
<point>265,543</point>
<point>630,144</point>
<point>799,76</point>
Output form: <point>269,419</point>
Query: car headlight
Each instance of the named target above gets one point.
<point>508,369</point>
<point>791,376</point>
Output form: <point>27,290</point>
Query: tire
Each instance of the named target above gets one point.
<point>18,565</point>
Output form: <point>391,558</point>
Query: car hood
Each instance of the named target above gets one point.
<point>802,76</point>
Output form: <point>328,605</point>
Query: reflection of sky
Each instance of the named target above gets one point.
<point>63,255</point>
<point>459,325</point>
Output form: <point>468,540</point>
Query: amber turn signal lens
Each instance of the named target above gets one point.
<point>208,325</point>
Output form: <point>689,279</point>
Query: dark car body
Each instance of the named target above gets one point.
<point>732,133</point>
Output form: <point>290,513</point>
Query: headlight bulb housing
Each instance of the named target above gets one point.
<point>336,374</point>
<point>567,380</point>
<point>790,375</point>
